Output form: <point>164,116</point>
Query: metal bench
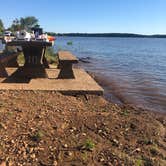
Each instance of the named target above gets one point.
<point>7,60</point>
<point>66,61</point>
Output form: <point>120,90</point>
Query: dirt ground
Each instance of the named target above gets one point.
<point>48,129</point>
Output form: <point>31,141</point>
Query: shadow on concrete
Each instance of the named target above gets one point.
<point>25,74</point>
<point>15,78</point>
<point>66,74</point>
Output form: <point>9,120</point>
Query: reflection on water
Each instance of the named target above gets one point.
<point>131,70</point>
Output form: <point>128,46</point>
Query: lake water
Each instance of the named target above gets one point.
<point>131,70</point>
<point>2,46</point>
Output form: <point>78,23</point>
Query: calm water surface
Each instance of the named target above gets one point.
<point>131,70</point>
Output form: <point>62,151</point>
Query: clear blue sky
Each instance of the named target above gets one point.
<point>134,16</point>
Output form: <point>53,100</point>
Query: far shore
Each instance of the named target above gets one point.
<point>122,35</point>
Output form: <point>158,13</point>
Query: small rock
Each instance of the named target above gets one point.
<point>68,153</point>
<point>17,110</point>
<point>133,126</point>
<point>23,149</point>
<point>2,126</point>
<point>65,145</point>
<point>55,127</point>
<point>12,141</point>
<point>31,150</point>
<point>126,129</point>
<point>71,130</point>
<point>41,149</point>
<point>38,117</point>
<point>25,144</point>
<point>121,132</point>
<point>10,163</point>
<point>83,134</point>
<point>104,133</point>
<point>24,155</point>
<point>101,159</point>
<point>19,152</point>
<point>136,150</point>
<point>33,156</point>
<point>115,142</point>
<point>109,164</point>
<point>99,131</point>
<point>74,128</point>
<point>55,163</point>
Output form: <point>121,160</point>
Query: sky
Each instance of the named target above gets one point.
<point>90,16</point>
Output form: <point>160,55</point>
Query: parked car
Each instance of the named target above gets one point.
<point>7,33</point>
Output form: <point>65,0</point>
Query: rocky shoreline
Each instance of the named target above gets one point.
<point>48,128</point>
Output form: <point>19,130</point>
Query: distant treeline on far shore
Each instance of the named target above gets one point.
<point>106,35</point>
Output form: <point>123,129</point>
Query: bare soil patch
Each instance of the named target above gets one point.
<point>48,128</point>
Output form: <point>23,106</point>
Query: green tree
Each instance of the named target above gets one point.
<point>24,23</point>
<point>28,22</point>
<point>15,25</point>
<point>1,26</point>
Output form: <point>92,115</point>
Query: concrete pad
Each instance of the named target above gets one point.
<point>82,84</point>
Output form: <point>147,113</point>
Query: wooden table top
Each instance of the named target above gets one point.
<point>39,43</point>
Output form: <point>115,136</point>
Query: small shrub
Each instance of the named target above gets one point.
<point>139,162</point>
<point>70,43</point>
<point>37,136</point>
<point>147,161</point>
<point>125,112</point>
<point>1,104</point>
<point>154,151</point>
<point>20,58</point>
<point>51,56</point>
<point>50,52</point>
<point>10,113</point>
<point>89,145</point>
<point>84,156</point>
<point>147,141</point>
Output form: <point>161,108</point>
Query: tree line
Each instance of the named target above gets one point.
<point>21,23</point>
<point>122,35</point>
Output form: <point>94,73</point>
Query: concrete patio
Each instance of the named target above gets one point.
<point>83,83</point>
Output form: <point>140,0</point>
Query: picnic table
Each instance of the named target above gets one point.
<point>34,55</point>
